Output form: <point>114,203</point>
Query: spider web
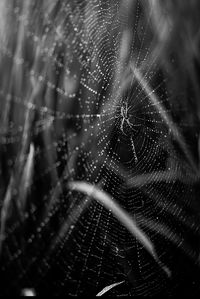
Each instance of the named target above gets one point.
<point>84,125</point>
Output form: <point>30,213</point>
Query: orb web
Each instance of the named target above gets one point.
<point>88,118</point>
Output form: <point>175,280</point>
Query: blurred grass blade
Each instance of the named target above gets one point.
<point>160,176</point>
<point>104,199</point>
<point>165,117</point>
<point>166,232</point>
<point>108,288</point>
<point>28,293</point>
<point>154,177</point>
<point>199,150</point>
<point>5,210</point>
<point>26,179</point>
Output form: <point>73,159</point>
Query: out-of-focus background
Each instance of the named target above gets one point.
<point>104,94</point>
